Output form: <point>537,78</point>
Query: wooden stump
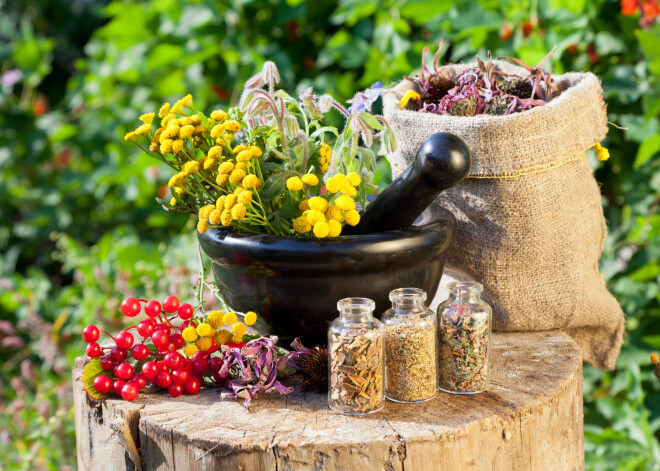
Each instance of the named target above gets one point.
<point>530,419</point>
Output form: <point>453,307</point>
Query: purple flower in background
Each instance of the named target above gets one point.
<point>11,77</point>
<point>363,101</point>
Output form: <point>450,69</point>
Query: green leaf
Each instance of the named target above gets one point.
<point>272,188</point>
<point>90,372</point>
<point>648,149</point>
<point>371,121</point>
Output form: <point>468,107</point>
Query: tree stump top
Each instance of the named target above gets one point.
<point>530,418</point>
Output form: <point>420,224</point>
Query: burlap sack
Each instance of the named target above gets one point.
<point>530,220</point>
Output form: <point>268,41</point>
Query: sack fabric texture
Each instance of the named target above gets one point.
<point>530,221</point>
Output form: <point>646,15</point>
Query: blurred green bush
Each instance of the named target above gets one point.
<point>80,227</point>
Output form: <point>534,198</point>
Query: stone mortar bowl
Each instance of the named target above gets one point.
<point>294,283</point>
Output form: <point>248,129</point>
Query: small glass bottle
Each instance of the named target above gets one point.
<point>356,364</point>
<point>410,347</point>
<point>464,326</point>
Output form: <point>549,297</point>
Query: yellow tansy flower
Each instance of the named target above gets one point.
<point>294,183</point>
<point>189,334</point>
<point>256,151</point>
<point>166,146</point>
<point>204,330</point>
<point>222,337</point>
<point>250,181</point>
<point>301,225</point>
<point>190,167</point>
<point>348,190</point>
<point>176,179</point>
<point>177,146</point>
<point>238,211</point>
<point>214,217</point>
<point>335,228</point>
<point>321,229</point>
<point>238,328</point>
<point>232,126</point>
<point>318,203</point>
<point>226,219</point>
<point>164,110</point>
<point>310,179</point>
<point>215,318</point>
<point>222,179</point>
<point>220,202</point>
<point>245,197</point>
<point>333,213</point>
<point>237,339</point>
<point>226,167</point>
<point>239,148</point>
<point>186,131</point>
<point>129,136</point>
<point>202,226</point>
<point>237,176</point>
<point>244,156</point>
<point>304,205</point>
<point>352,217</point>
<point>204,343</point>
<point>147,118</point>
<point>314,216</point>
<point>173,201</point>
<point>250,318</point>
<point>230,318</point>
<point>354,179</point>
<point>215,152</point>
<point>333,185</point>
<point>217,130</point>
<point>209,163</point>
<point>230,201</point>
<point>190,350</point>
<point>345,202</point>
<point>218,115</point>
<point>165,121</point>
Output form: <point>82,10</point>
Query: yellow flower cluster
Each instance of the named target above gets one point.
<point>326,153</point>
<point>209,333</point>
<point>324,218</point>
<point>601,152</point>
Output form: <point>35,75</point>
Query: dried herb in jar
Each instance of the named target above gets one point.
<point>410,351</point>
<point>463,357</point>
<point>356,379</point>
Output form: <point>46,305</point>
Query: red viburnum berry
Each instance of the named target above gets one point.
<point>199,366</point>
<point>130,307</point>
<point>103,384</point>
<point>150,370</point>
<point>140,380</point>
<point>178,341</point>
<point>163,379</point>
<point>192,386</point>
<point>130,391</point>
<point>185,311</point>
<point>215,364</point>
<point>107,363</point>
<point>124,371</point>
<point>175,390</point>
<point>93,350</point>
<point>90,333</point>
<point>117,385</point>
<point>180,376</point>
<point>174,361</point>
<point>124,339</point>
<point>152,308</point>
<point>160,338</point>
<point>146,328</point>
<point>119,354</point>
<point>140,352</point>
<point>171,304</point>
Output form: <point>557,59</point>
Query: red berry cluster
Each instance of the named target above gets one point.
<point>163,365</point>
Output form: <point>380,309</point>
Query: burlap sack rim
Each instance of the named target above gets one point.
<point>580,93</point>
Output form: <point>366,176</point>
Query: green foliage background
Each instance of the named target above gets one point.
<point>80,228</point>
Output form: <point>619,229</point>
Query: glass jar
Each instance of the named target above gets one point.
<point>464,329</point>
<point>410,347</point>
<point>356,362</point>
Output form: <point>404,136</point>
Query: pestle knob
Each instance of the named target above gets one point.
<point>442,161</point>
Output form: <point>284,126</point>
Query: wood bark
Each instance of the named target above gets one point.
<point>530,419</point>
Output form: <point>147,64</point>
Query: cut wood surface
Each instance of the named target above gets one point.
<point>530,419</point>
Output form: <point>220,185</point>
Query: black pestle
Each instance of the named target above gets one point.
<point>441,162</point>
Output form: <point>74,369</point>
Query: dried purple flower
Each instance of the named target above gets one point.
<point>254,369</point>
